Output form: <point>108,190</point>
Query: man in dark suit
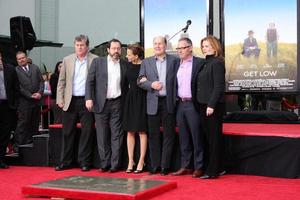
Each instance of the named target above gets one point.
<point>31,89</point>
<point>188,119</point>
<point>106,87</point>
<point>70,98</point>
<point>156,76</point>
<point>9,94</point>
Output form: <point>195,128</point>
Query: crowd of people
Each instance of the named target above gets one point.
<point>148,97</point>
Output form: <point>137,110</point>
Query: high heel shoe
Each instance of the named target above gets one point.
<point>138,171</point>
<point>130,170</point>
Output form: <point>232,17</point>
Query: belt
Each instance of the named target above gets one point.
<point>113,99</point>
<point>185,99</point>
<point>161,97</point>
<point>78,97</point>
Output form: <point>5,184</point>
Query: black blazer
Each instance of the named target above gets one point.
<point>209,87</point>
<point>96,83</point>
<point>12,86</point>
<point>197,64</point>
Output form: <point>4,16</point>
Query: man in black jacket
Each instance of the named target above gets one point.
<point>31,92</point>
<point>188,118</point>
<point>9,92</point>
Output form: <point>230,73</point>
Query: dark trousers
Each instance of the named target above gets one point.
<point>28,124</point>
<point>8,122</point>
<point>57,112</point>
<point>190,135</point>
<point>110,134</point>
<point>212,126</point>
<point>77,110</point>
<point>161,149</point>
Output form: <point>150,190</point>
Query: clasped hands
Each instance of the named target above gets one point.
<point>36,96</point>
<point>156,85</point>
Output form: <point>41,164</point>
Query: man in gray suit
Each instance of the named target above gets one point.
<point>157,77</point>
<point>31,92</point>
<point>106,87</point>
<point>70,97</point>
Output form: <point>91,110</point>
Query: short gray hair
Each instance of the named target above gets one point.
<point>83,38</point>
<point>188,40</point>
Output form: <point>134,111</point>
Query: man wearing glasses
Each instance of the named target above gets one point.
<point>188,119</point>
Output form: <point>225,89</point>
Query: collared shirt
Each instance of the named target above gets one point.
<point>161,66</point>
<point>113,78</point>
<point>184,77</point>
<point>79,78</point>
<point>2,85</point>
<point>25,68</point>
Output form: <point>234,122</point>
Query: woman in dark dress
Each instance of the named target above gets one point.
<point>209,90</point>
<point>135,117</point>
<point>57,112</point>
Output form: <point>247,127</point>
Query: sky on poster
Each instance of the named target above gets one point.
<point>169,16</point>
<point>242,16</point>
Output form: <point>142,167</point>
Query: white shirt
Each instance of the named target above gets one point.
<point>79,78</point>
<point>25,68</point>
<point>161,66</point>
<point>113,78</point>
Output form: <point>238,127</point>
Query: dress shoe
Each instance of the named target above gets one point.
<point>103,169</point>
<point>197,173</point>
<point>205,176</point>
<point>182,171</point>
<point>164,171</point>
<point>62,167</point>
<point>154,170</point>
<point>222,173</point>
<point>113,170</point>
<point>3,165</point>
<point>85,168</point>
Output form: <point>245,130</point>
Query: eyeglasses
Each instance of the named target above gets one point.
<point>181,48</point>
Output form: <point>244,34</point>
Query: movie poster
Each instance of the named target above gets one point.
<point>260,45</point>
<point>167,17</point>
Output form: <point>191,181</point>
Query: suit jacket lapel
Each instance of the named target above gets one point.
<point>105,68</point>
<point>25,72</point>
<point>168,64</point>
<point>72,65</point>
<point>194,68</point>
<point>89,61</point>
<point>29,70</point>
<point>153,66</point>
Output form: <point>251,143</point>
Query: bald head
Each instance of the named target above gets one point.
<point>160,38</point>
<point>159,46</point>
